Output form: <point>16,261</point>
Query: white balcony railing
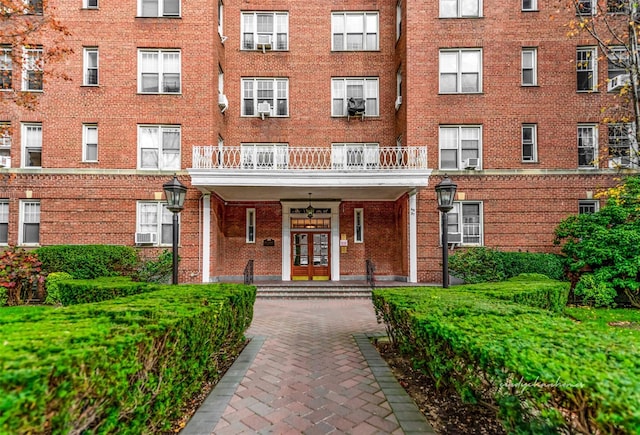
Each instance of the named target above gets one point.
<point>340,158</point>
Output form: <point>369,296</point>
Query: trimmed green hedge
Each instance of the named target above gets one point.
<point>544,372</point>
<point>80,291</point>
<point>89,261</point>
<point>127,365</point>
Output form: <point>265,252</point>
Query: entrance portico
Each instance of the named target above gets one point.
<point>310,246</point>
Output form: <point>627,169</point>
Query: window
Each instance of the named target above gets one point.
<point>158,8</point>
<point>460,71</point>
<point>587,146</point>
<point>465,222</point>
<point>354,31</point>
<point>159,147</point>
<point>256,93</point>
<point>586,69</point>
<point>6,67</point>
<point>358,226</point>
<point>264,156</point>
<point>4,221</point>
<point>363,89</point>
<point>399,87</point>
<point>529,143</point>
<point>90,4</point>
<point>90,66</point>
<point>32,77</point>
<point>5,144</point>
<point>154,223</point>
<point>617,65</point>
<point>31,145</point>
<point>460,8</point>
<point>588,206</point>
<point>529,66</point>
<point>398,19</point>
<point>618,6</point>
<point>458,144</point>
<point>29,232</point>
<point>585,7</point>
<point>34,7</point>
<point>529,5</point>
<point>251,225</point>
<point>90,143</point>
<point>355,155</point>
<point>623,149</point>
<point>265,30</point>
<point>159,71</point>
<point>220,17</point>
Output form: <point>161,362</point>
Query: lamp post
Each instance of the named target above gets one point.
<point>446,192</point>
<point>175,192</point>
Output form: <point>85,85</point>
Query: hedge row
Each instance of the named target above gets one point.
<point>89,261</point>
<point>127,365</point>
<point>80,291</point>
<point>545,373</point>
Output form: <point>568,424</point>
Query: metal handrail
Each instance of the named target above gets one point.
<point>248,273</point>
<point>371,271</point>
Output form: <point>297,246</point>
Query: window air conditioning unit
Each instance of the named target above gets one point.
<point>5,162</point>
<point>264,109</point>
<point>454,238</point>
<point>223,102</point>
<point>264,42</point>
<point>618,82</point>
<point>472,163</point>
<point>398,102</point>
<point>146,238</point>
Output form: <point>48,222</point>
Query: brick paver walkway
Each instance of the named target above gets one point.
<point>309,369</point>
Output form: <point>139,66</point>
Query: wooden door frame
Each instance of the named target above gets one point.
<point>310,266</point>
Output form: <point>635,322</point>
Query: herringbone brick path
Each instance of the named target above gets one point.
<point>310,376</point>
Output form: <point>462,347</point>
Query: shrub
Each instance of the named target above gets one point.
<point>20,275</point>
<point>159,270</point>
<point>89,261</point>
<point>52,286</point>
<point>81,291</point>
<point>595,292</point>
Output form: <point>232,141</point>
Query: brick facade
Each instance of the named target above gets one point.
<point>95,202</point>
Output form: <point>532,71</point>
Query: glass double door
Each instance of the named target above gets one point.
<point>310,256</point>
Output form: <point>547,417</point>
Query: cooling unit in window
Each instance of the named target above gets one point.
<point>223,102</point>
<point>454,238</point>
<point>146,238</point>
<point>355,107</point>
<point>618,82</point>
<point>264,42</point>
<point>5,162</point>
<point>472,163</point>
<point>398,102</point>
<point>264,109</point>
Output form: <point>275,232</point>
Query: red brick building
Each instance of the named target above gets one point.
<point>310,134</point>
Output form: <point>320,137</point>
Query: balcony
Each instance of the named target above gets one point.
<point>276,171</point>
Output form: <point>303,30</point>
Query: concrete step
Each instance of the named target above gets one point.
<point>313,291</point>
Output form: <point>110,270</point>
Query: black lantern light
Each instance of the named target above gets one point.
<point>446,192</point>
<point>310,209</point>
<point>175,193</point>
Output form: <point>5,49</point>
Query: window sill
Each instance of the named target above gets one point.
<point>89,86</point>
<point>169,17</point>
<point>461,93</point>
<point>159,93</point>
<point>462,18</point>
<point>530,86</point>
<point>265,118</point>
<point>377,50</point>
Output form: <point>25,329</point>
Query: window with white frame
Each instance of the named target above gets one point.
<point>90,4</point>
<point>529,143</point>
<point>618,6</point>
<point>29,230</point>
<point>398,19</point>
<point>31,135</point>
<point>464,222</point>
<point>159,71</point>
<point>358,89</point>
<point>460,71</point>
<point>159,147</point>
<point>586,7</point>
<point>354,31</point>
<point>529,5</point>
<point>251,225</point>
<point>4,221</point>
<point>158,8</point>
<point>459,146</point>
<point>586,69</point>
<point>618,64</point>
<point>220,18</point>
<point>623,148</point>
<point>257,93</point>
<point>460,8</point>
<point>34,7</point>
<point>529,66</point>
<point>265,30</point>
<point>5,144</point>
<point>587,146</point>
<point>6,67</point>
<point>355,155</point>
<point>586,206</point>
<point>358,225</point>
<point>90,66</point>
<point>90,143</point>
<point>264,155</point>
<point>32,73</point>
<point>154,223</point>
<point>399,87</point>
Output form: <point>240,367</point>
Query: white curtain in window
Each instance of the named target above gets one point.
<point>167,226</point>
<point>148,218</point>
<point>339,101</point>
<point>33,136</point>
<point>170,148</point>
<point>149,141</point>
